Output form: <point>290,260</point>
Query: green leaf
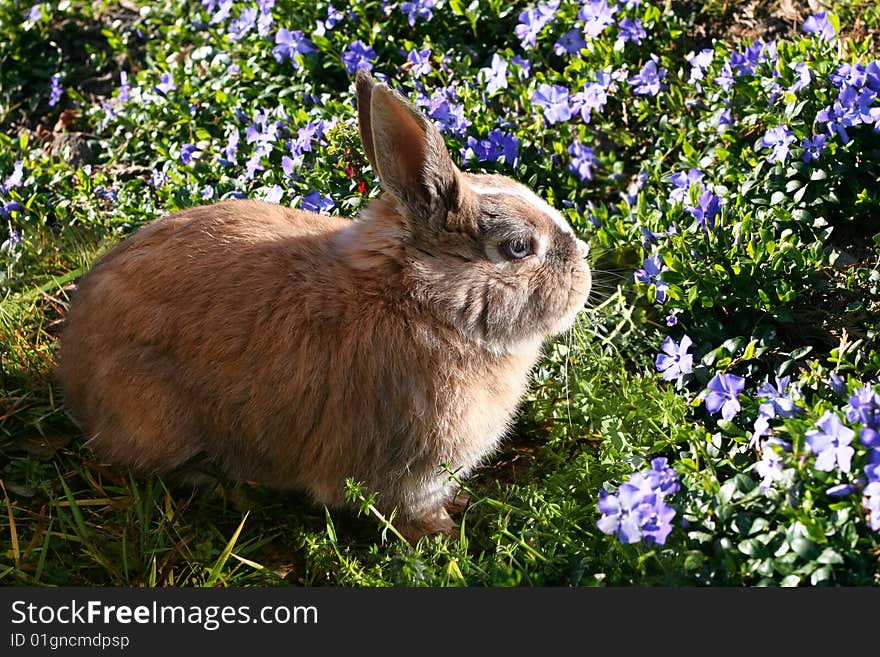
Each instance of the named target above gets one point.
<point>217,569</point>
<point>830,556</point>
<point>800,352</point>
<point>790,581</point>
<point>820,575</point>
<point>693,559</point>
<point>730,428</point>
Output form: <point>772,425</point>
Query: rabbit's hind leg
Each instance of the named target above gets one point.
<point>140,415</point>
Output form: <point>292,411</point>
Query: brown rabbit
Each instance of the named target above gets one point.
<point>299,350</point>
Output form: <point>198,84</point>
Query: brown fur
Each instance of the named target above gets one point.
<point>298,350</point>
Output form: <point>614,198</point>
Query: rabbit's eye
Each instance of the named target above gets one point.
<point>517,249</point>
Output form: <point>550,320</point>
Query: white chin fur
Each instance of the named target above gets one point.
<point>568,319</point>
<point>522,348</point>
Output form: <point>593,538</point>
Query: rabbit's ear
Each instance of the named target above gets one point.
<point>364,89</point>
<point>410,154</point>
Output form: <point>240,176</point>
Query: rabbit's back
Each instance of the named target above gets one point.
<point>179,329</point>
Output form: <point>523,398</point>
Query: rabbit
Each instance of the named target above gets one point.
<point>298,350</point>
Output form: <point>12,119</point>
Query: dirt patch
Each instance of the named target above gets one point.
<point>742,23</point>
<point>78,49</point>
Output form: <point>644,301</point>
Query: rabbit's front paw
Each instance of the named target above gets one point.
<point>437,522</point>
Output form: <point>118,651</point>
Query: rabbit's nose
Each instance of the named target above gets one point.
<point>583,248</point>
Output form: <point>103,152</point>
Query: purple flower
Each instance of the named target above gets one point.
<point>265,20</point>
<point>780,140</point>
<point>582,160</point>
<point>631,31</point>
<point>597,15</point>
<point>496,145</point>
<point>158,178</point>
<point>724,390</point>
<point>166,84</point>
<point>14,238</point>
<point>316,202</point>
<point>813,147</point>
<point>700,63</point>
<point>288,166</point>
<point>187,151</point>
<point>864,407</point>
<point>495,75</point>
<point>682,182</point>
<point>416,9</point>
<point>9,206</point>
<point>290,44</point>
<point>231,149</point>
<point>569,43</point>
<point>837,384</point>
<point>841,490</point>
<point>707,208</point>
<point>840,115</point>
<point>831,443</point>
<point>671,320</point>
<point>638,508</point>
<point>872,503</point>
<point>533,21</point>
<point>820,25</point>
<point>867,112</point>
<point>647,82</point>
<point>55,90</point>
<point>449,115</point>
<point>419,61</point>
<point>726,77</point>
<point>554,101</point>
<point>872,75</point>
<point>106,194</point>
<point>334,16</point>
<point>15,178</point>
<point>661,477</point>
<point>872,470</point>
<point>760,429</point>
<point>124,87</point>
<point>240,26</point>
<point>674,361</point>
<point>620,514</point>
<point>805,76</point>
<point>262,131</point>
<point>592,98</point>
<point>649,274</point>
<point>222,13</point>
<point>524,65</point>
<point>656,520</point>
<point>849,75</point>
<point>770,468</point>
<point>253,164</point>
<point>273,194</point>
<point>776,403</point>
<point>358,55</point>
<point>36,13</point>
<point>305,136</point>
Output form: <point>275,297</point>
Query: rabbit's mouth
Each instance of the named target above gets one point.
<point>582,283</point>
